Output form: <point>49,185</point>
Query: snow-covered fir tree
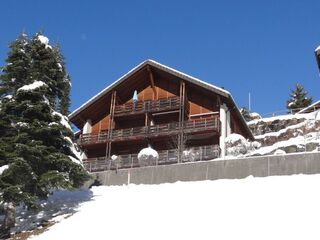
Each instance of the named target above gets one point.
<point>37,154</point>
<point>48,65</point>
<point>15,72</point>
<point>298,99</point>
<point>246,114</point>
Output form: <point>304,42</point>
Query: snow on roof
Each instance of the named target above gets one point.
<point>189,78</point>
<point>309,107</point>
<point>157,65</point>
<point>32,86</point>
<point>44,40</point>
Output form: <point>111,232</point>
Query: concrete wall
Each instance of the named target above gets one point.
<point>300,163</point>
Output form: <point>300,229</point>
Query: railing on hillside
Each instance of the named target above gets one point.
<point>166,157</point>
<point>172,103</point>
<point>191,126</point>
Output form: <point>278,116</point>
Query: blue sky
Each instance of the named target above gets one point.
<point>261,47</point>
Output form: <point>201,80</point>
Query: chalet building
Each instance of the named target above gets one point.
<point>181,117</point>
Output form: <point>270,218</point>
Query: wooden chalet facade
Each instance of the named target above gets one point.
<point>175,113</point>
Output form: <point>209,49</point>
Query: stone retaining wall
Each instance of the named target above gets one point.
<point>299,163</point>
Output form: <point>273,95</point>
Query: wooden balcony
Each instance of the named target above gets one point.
<point>203,153</point>
<point>192,126</point>
<point>161,105</point>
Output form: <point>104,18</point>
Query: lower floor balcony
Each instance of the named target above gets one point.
<point>202,125</point>
<point>202,153</point>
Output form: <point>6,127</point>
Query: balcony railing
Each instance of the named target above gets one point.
<point>166,157</point>
<point>192,126</point>
<point>164,104</point>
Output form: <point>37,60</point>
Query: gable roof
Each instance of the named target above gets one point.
<point>174,72</point>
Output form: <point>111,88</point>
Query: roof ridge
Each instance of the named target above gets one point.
<point>158,65</point>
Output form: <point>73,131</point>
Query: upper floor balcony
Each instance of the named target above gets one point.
<point>210,124</point>
<point>141,107</point>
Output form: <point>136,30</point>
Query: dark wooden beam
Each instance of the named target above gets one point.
<point>152,83</point>
<point>109,137</point>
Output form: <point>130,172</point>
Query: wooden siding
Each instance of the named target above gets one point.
<point>199,103</point>
<point>148,94</point>
<point>102,125</point>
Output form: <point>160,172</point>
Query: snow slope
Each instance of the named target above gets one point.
<point>285,207</point>
<point>286,133</point>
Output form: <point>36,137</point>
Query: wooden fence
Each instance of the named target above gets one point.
<point>202,153</point>
<point>172,128</point>
<point>164,104</point>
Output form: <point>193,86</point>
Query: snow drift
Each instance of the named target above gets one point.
<point>283,207</point>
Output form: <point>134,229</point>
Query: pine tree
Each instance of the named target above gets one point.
<point>246,114</point>
<point>44,65</point>
<point>298,99</point>
<point>38,149</point>
<point>15,72</point>
<point>65,98</point>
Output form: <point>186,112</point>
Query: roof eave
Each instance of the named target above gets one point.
<point>243,121</point>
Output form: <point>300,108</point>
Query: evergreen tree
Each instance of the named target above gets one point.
<point>298,99</point>
<point>44,65</point>
<point>246,114</point>
<point>38,151</point>
<point>15,72</point>
<point>65,98</point>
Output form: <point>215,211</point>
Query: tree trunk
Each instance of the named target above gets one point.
<point>9,220</point>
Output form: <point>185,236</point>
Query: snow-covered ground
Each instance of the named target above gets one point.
<point>286,133</point>
<point>59,205</point>
<point>284,207</point>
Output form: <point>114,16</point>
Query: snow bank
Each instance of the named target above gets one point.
<point>3,168</point>
<point>148,156</point>
<point>237,145</point>
<point>284,207</point>
<point>255,115</point>
<point>32,86</point>
<point>233,138</point>
<point>59,205</point>
<point>312,115</point>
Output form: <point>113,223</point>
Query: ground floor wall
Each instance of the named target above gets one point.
<point>301,163</point>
